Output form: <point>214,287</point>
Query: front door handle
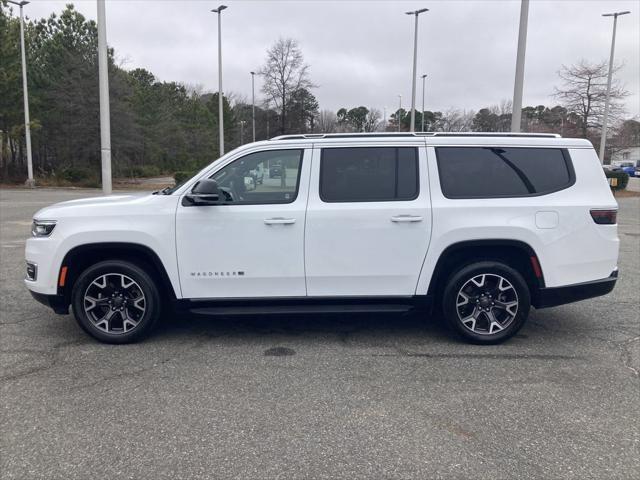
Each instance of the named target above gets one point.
<point>279,221</point>
<point>406,218</point>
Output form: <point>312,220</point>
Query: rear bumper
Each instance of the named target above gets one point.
<point>551,297</point>
<point>56,302</point>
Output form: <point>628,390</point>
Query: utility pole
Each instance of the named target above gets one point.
<point>253,104</point>
<point>25,96</point>
<point>220,98</point>
<point>412,126</point>
<point>516,113</point>
<point>399,119</point>
<point>105,117</point>
<point>603,138</point>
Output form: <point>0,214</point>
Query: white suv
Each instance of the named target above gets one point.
<point>477,227</point>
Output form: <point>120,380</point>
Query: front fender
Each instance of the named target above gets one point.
<point>153,229</point>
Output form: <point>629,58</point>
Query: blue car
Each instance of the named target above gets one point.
<point>628,168</point>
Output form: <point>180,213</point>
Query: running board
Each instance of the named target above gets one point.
<point>299,309</point>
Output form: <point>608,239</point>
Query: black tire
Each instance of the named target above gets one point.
<point>145,312</point>
<point>491,317</point>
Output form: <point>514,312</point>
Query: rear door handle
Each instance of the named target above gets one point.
<point>406,218</point>
<point>279,221</point>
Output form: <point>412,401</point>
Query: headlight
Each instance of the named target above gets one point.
<point>42,228</point>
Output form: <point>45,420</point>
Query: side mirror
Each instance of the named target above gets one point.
<point>205,192</point>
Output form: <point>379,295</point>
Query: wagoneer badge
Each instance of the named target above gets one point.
<point>217,274</point>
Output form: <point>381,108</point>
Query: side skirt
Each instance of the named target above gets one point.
<point>279,306</point>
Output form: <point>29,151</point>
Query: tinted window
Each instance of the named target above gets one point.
<point>272,176</point>
<point>475,172</point>
<point>368,174</point>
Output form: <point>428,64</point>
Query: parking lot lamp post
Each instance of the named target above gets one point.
<point>422,115</point>
<point>25,94</point>
<point>103,84</point>
<point>399,119</point>
<point>412,126</point>
<point>603,138</point>
<point>253,104</point>
<point>516,113</point>
<point>220,100</point>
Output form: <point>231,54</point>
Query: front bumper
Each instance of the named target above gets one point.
<point>43,253</point>
<point>552,297</point>
<point>56,302</point>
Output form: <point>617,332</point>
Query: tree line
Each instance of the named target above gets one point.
<point>160,127</point>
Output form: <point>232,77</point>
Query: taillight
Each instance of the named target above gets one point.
<point>604,217</point>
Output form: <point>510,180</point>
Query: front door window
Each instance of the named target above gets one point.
<point>260,178</point>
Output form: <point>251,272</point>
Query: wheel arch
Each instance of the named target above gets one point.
<point>81,257</point>
<point>515,253</point>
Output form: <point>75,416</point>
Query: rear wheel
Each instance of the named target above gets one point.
<point>486,302</point>
<point>116,302</point>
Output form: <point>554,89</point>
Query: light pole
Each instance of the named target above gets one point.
<point>103,83</point>
<point>399,111</point>
<point>220,100</point>
<point>603,138</point>
<point>253,104</point>
<point>422,115</point>
<point>516,113</point>
<point>415,61</point>
<point>25,94</point>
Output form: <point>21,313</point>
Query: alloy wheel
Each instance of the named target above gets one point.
<point>487,304</point>
<point>114,303</point>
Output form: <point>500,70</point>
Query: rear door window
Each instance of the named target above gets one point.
<point>486,172</point>
<point>369,174</point>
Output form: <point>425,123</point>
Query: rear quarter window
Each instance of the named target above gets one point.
<point>490,172</point>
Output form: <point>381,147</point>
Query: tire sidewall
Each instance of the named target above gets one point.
<point>141,277</point>
<point>460,277</point>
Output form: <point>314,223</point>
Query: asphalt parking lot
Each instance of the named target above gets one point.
<point>367,396</point>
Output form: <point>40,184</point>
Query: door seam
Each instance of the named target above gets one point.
<point>304,229</point>
<point>426,253</point>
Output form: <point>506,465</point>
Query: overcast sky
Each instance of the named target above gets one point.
<point>360,52</point>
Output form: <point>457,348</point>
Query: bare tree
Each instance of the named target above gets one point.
<point>505,107</point>
<point>626,136</point>
<point>372,120</point>
<point>454,120</point>
<point>584,92</point>
<point>327,122</point>
<point>284,73</point>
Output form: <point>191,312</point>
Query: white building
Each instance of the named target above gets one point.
<point>628,154</point>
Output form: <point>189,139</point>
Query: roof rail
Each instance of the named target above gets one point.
<point>312,136</point>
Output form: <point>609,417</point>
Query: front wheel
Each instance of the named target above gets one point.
<point>486,302</point>
<point>116,302</point>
